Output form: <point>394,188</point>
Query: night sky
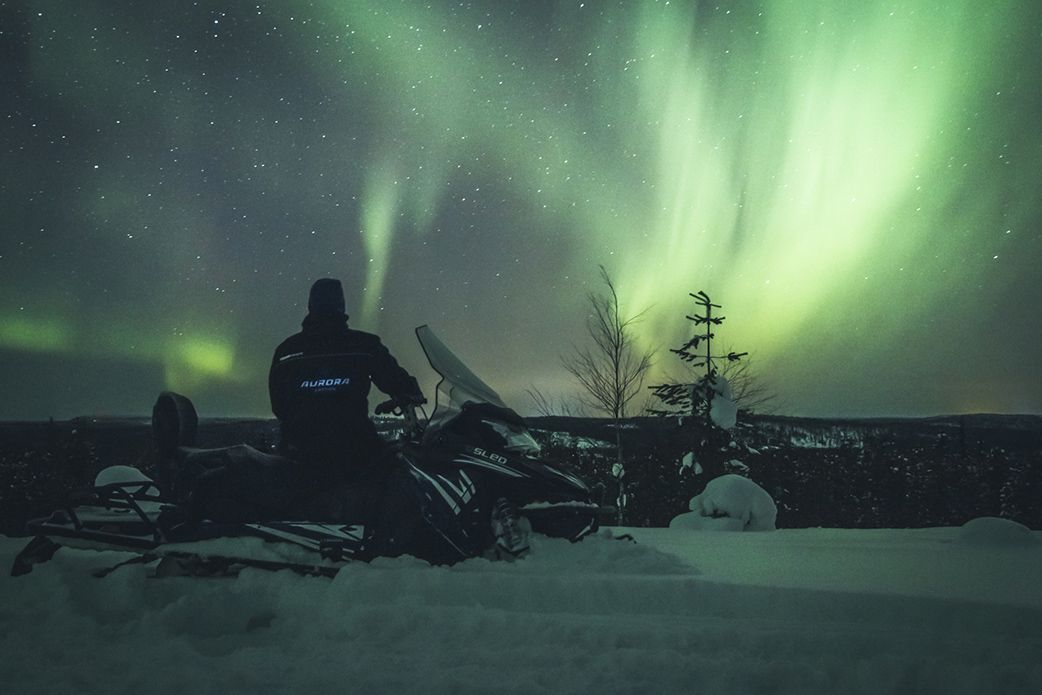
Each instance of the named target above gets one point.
<point>858,183</point>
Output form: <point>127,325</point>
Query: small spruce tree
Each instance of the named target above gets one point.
<point>694,401</point>
<point>696,398</point>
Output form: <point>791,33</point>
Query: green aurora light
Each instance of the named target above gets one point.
<point>851,180</point>
<point>801,159</point>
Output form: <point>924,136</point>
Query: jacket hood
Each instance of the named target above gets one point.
<point>326,297</point>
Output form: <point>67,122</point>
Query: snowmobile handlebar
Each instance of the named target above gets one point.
<point>399,406</point>
<point>405,409</point>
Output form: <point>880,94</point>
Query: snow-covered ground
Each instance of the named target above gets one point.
<point>679,611</point>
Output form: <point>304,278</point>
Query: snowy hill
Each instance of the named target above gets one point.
<point>792,611</point>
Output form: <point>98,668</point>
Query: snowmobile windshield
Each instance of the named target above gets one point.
<point>462,394</point>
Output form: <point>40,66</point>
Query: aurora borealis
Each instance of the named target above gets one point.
<point>856,182</point>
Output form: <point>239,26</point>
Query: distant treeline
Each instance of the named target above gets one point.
<point>900,473</point>
<point>848,474</point>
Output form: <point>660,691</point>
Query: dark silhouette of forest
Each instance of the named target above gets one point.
<point>900,473</point>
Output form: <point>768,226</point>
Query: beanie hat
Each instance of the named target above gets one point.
<point>327,297</point>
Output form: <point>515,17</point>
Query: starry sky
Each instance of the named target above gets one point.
<point>857,183</point>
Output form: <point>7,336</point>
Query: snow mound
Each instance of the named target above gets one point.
<point>993,530</point>
<point>729,503</point>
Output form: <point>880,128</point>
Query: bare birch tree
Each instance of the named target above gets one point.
<point>613,369</point>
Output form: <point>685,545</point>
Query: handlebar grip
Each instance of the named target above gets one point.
<point>387,407</point>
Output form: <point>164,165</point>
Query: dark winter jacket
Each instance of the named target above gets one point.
<point>318,384</point>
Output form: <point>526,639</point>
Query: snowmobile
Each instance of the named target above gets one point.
<point>470,483</point>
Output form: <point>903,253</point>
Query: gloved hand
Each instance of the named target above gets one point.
<point>394,405</point>
<point>412,399</point>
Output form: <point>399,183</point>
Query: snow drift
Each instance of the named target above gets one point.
<point>794,611</point>
<point>994,531</point>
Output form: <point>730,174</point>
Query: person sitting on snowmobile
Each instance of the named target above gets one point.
<point>331,463</point>
<point>319,382</point>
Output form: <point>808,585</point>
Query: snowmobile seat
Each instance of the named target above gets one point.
<point>238,455</point>
<point>192,467</point>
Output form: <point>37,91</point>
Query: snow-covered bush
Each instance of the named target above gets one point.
<point>729,503</point>
<point>736,466</point>
<point>688,463</point>
<point>723,410</point>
